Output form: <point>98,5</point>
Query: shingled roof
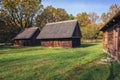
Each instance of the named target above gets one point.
<point>27,33</point>
<point>114,20</point>
<point>63,29</point>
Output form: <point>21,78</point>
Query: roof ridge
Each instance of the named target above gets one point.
<point>61,22</point>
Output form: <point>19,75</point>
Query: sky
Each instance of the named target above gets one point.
<point>77,6</point>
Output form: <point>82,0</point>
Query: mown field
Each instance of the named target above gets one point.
<point>36,63</point>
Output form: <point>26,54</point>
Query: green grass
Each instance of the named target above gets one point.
<point>36,63</point>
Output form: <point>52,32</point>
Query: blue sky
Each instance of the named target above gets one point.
<point>78,6</point>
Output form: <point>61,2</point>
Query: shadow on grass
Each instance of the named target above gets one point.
<point>114,71</point>
<point>84,45</point>
<point>111,75</point>
<point>18,60</point>
<point>2,47</point>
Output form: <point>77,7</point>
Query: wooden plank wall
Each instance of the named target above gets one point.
<point>111,41</point>
<point>57,43</point>
<point>22,43</point>
<point>118,42</point>
<point>105,41</point>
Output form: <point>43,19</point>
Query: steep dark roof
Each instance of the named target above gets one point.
<point>63,29</point>
<point>27,33</point>
<point>111,22</point>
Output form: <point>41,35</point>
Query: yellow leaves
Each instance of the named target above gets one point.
<point>27,5</point>
<point>10,2</point>
<point>21,11</point>
<point>83,19</point>
<point>2,13</point>
<point>31,3</point>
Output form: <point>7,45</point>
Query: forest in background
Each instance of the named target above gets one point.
<point>15,15</point>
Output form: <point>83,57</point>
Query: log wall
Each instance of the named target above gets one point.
<point>26,42</point>
<point>64,43</point>
<point>111,41</point>
<point>22,43</point>
<point>56,43</point>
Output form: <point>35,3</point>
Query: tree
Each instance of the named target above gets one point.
<point>46,16</point>
<point>93,17</point>
<point>105,17</point>
<point>113,10</point>
<point>83,19</point>
<point>89,31</point>
<point>16,15</point>
<point>61,14</point>
<point>70,17</point>
<point>88,24</point>
<point>22,12</point>
<point>51,14</point>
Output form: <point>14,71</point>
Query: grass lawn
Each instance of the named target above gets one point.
<point>36,63</point>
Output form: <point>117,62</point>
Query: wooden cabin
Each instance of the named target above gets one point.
<point>27,37</point>
<point>66,34</point>
<point>111,37</point>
